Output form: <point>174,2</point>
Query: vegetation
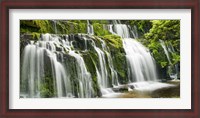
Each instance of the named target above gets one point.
<point>169,32</point>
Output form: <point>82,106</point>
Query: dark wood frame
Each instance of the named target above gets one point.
<point>194,112</point>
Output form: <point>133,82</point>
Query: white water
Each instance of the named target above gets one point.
<point>142,73</point>
<point>134,32</point>
<point>102,71</point>
<point>149,86</point>
<point>102,55</point>
<point>140,63</point>
<point>85,80</point>
<point>33,68</point>
<point>55,26</point>
<point>162,43</point>
<point>141,66</point>
<point>172,70</point>
<point>122,30</point>
<point>90,29</point>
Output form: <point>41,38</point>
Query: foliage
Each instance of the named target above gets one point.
<point>158,53</point>
<point>164,30</point>
<point>169,32</point>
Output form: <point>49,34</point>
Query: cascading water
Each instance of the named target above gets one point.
<point>110,63</point>
<point>141,65</point>
<point>55,26</point>
<point>33,68</point>
<point>134,31</point>
<point>122,30</point>
<point>102,71</point>
<point>90,29</point>
<point>52,47</point>
<point>172,70</point>
<point>85,80</point>
<point>165,50</point>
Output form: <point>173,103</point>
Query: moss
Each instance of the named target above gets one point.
<point>99,29</point>
<point>50,26</point>
<point>113,40</point>
<point>46,88</point>
<point>36,36</point>
<point>119,62</point>
<point>27,26</point>
<point>39,26</point>
<point>90,64</point>
<point>82,28</point>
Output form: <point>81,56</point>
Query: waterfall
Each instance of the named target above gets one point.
<point>140,63</point>
<point>51,46</point>
<point>172,70</point>
<point>122,30</point>
<point>162,43</point>
<point>33,68</point>
<point>114,75</point>
<point>55,27</point>
<point>90,29</point>
<point>133,31</point>
<point>110,63</point>
<point>102,71</point>
<point>85,80</point>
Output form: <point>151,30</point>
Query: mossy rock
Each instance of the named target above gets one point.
<point>52,26</point>
<point>113,40</point>
<point>91,59</point>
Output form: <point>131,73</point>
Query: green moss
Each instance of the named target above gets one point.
<point>82,28</point>
<point>47,88</point>
<point>50,26</point>
<point>39,26</point>
<point>36,36</point>
<point>113,40</point>
<point>99,30</point>
<point>120,65</point>
<point>90,64</point>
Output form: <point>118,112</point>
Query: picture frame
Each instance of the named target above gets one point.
<point>7,5</point>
